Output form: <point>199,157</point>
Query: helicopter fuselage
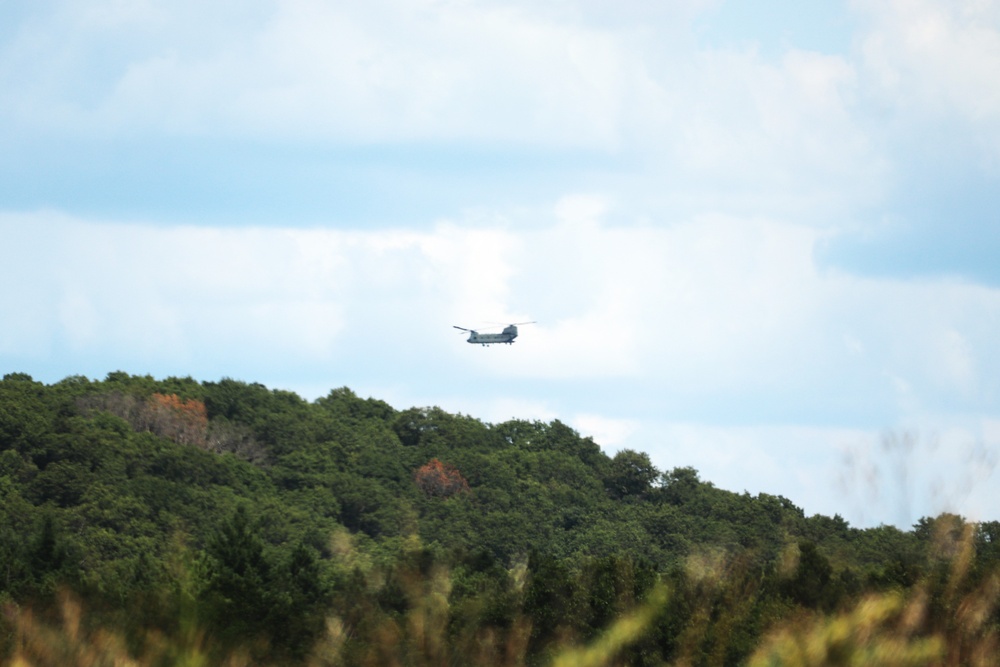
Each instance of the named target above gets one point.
<point>506,336</point>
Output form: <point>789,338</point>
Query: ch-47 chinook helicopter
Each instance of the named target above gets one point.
<point>508,335</point>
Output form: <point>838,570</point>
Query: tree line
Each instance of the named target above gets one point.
<point>229,518</point>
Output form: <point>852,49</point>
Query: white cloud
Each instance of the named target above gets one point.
<point>354,72</point>
<point>931,59</point>
<point>495,411</point>
<point>741,111</point>
<point>682,275</point>
<point>471,269</point>
<point>402,71</point>
<point>899,475</point>
<point>713,129</point>
<point>79,319</point>
<point>717,304</point>
<point>610,433</point>
<point>936,55</point>
<point>803,131</point>
<point>838,470</point>
<point>716,315</point>
<point>800,462</point>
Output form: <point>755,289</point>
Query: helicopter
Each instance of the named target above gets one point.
<point>508,335</point>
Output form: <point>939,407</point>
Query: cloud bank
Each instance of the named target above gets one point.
<point>696,341</point>
<point>750,245</point>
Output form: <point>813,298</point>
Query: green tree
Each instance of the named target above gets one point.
<point>50,556</point>
<point>680,485</point>
<point>298,618</point>
<point>811,585</point>
<point>631,474</point>
<point>239,581</point>
<point>548,601</point>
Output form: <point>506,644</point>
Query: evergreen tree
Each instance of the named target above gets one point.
<point>240,580</point>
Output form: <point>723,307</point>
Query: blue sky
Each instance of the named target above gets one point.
<point>761,243</point>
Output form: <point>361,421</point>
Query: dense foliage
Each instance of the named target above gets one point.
<point>234,517</point>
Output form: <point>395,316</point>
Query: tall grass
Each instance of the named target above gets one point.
<point>949,619</point>
<point>68,640</point>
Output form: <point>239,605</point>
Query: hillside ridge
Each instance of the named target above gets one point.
<point>278,504</point>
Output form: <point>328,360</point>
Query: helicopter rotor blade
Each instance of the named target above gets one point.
<point>509,324</point>
<point>462,328</point>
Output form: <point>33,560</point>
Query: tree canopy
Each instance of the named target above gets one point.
<point>268,513</point>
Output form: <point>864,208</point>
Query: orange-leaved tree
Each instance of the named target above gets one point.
<point>183,421</point>
<point>440,479</point>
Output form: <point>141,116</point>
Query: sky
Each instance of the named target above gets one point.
<point>759,239</point>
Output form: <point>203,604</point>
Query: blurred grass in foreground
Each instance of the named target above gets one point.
<point>942,620</point>
<point>949,619</point>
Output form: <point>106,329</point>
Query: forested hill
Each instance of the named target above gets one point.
<point>278,505</point>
